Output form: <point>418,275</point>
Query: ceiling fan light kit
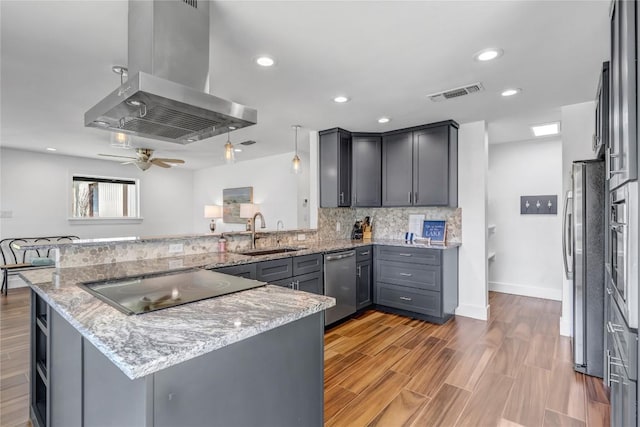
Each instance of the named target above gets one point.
<point>144,161</point>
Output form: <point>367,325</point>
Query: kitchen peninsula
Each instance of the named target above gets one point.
<point>214,362</point>
<point>250,358</point>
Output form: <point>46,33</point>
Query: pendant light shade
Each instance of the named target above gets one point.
<point>120,140</point>
<point>229,152</point>
<point>296,163</point>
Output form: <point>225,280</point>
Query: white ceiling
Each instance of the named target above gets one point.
<point>57,57</point>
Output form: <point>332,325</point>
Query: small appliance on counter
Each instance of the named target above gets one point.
<point>356,232</point>
<point>362,229</point>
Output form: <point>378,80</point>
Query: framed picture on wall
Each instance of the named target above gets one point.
<point>231,198</point>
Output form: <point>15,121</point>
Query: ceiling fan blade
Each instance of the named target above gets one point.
<point>111,155</point>
<point>127,163</point>
<point>160,163</point>
<point>162,159</point>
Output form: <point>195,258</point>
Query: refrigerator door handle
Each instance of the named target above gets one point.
<point>566,235</point>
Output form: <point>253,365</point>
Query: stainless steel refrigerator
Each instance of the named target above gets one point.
<point>584,238</point>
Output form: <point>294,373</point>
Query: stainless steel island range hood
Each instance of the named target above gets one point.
<point>166,95</point>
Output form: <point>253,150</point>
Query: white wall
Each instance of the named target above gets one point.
<point>275,188</point>
<point>578,126</point>
<point>527,247</point>
<point>36,187</point>
<point>472,198</point>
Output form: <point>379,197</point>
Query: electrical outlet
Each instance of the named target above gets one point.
<point>302,236</point>
<point>338,226</point>
<point>175,248</point>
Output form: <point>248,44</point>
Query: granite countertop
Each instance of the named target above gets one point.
<point>144,344</point>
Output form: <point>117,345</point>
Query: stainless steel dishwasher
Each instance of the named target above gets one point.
<point>340,283</point>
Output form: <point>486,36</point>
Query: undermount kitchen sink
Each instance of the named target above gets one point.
<point>256,252</point>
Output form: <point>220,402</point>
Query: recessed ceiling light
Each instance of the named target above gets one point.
<point>341,99</point>
<point>384,120</point>
<point>265,61</point>
<point>238,150</point>
<point>546,129</point>
<point>510,92</point>
<point>51,149</point>
<point>488,54</point>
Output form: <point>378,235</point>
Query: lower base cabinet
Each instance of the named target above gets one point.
<point>417,282</point>
<point>620,367</point>
<point>364,277</point>
<point>307,282</point>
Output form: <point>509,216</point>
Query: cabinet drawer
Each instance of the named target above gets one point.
<point>247,271</point>
<point>410,299</point>
<point>364,253</point>
<point>307,264</point>
<point>268,271</point>
<point>425,277</point>
<point>412,255</point>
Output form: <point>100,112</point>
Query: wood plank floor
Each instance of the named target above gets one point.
<point>515,370</point>
<point>388,370</point>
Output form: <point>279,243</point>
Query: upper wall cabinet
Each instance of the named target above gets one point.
<point>420,167</point>
<point>335,168</point>
<point>408,167</point>
<point>366,170</point>
<point>622,157</point>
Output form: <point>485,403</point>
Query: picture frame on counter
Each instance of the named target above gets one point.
<point>434,231</point>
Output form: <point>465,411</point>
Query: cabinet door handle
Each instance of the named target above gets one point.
<point>298,284</point>
<point>409,196</point>
<point>341,197</point>
<point>615,327</point>
<point>364,253</point>
<point>406,274</point>
<point>406,299</point>
<point>415,197</point>
<point>359,272</point>
<point>403,254</point>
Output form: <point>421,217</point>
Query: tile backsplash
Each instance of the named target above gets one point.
<point>388,223</point>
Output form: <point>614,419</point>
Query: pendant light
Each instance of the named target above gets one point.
<point>229,152</point>
<point>120,140</point>
<point>296,163</point>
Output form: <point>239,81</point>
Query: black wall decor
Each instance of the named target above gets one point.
<point>539,205</point>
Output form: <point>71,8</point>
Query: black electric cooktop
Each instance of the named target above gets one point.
<point>142,294</point>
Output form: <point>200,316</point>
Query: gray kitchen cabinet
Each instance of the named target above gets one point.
<point>600,143</point>
<point>417,282</point>
<point>622,157</point>
<point>270,271</point>
<point>435,166</point>
<point>312,282</point>
<point>366,171</point>
<point>248,271</point>
<point>397,174</point>
<point>621,363</point>
<point>307,270</point>
<point>420,166</point>
<point>335,168</point>
<point>364,277</point>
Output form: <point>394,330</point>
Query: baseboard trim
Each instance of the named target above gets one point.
<point>473,311</point>
<point>566,327</point>
<point>526,291</point>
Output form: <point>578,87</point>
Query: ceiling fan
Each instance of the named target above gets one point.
<point>144,161</point>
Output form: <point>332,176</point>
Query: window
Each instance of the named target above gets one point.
<point>100,197</point>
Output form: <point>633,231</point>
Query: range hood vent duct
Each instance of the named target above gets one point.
<point>456,92</point>
<point>166,95</point>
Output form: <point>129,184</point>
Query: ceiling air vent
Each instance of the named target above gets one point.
<point>456,92</point>
<point>249,142</point>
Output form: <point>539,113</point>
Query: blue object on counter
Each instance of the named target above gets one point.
<point>41,262</point>
<point>434,230</point>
